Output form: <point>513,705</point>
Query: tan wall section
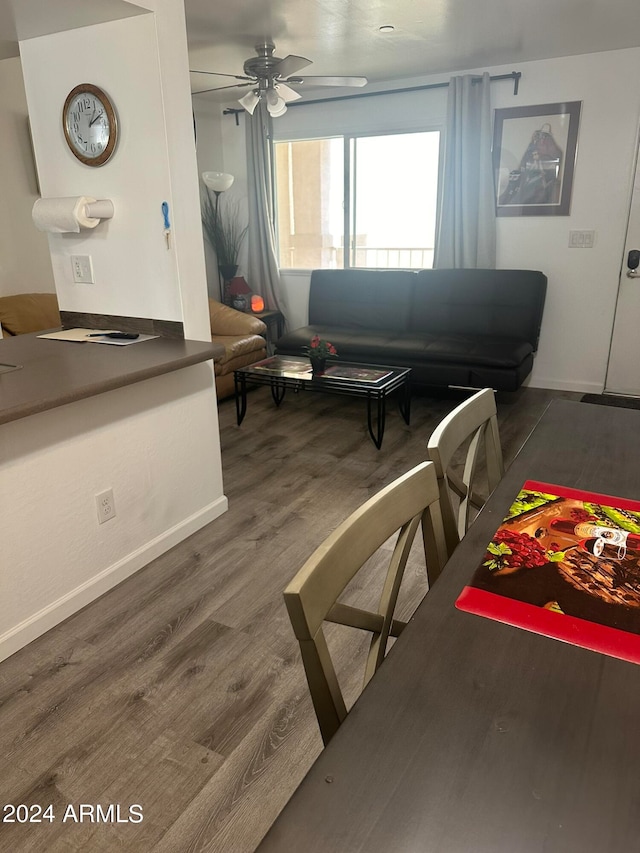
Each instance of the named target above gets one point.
<point>25,263</point>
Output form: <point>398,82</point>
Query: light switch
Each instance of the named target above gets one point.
<point>581,239</point>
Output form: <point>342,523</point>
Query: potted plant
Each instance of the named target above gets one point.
<point>224,231</point>
<point>319,351</point>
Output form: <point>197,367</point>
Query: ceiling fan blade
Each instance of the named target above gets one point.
<point>286,93</point>
<point>329,81</point>
<point>221,74</point>
<point>221,88</point>
<point>289,65</point>
<point>249,102</point>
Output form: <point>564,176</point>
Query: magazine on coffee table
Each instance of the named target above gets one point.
<point>356,374</point>
<point>566,564</point>
<point>291,367</point>
<point>278,365</point>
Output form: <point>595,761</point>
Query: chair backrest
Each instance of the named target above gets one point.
<point>312,596</point>
<point>475,419</point>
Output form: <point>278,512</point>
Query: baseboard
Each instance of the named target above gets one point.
<point>21,635</point>
<point>561,385</point>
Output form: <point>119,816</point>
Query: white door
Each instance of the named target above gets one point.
<point>623,371</point>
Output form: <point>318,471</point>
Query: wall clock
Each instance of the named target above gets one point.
<point>90,124</point>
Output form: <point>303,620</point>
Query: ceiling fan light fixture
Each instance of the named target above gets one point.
<point>273,98</point>
<point>276,105</point>
<point>277,110</point>
<point>268,75</point>
<point>250,102</point>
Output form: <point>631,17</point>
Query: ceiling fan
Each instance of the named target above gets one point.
<point>269,77</point>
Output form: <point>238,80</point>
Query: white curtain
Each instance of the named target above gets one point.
<point>466,236</point>
<point>264,275</point>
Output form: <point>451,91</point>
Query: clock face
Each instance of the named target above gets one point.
<point>90,125</point>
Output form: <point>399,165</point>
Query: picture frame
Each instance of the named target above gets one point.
<point>534,154</point>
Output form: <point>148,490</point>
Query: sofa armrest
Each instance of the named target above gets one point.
<point>227,321</point>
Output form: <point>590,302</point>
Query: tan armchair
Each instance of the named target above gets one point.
<point>240,334</point>
<point>28,312</point>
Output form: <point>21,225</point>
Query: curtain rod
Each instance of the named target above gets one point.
<point>514,75</point>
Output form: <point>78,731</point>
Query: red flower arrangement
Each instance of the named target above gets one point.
<point>321,349</point>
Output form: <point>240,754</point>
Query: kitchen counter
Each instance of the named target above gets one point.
<point>139,422</point>
<point>53,373</point>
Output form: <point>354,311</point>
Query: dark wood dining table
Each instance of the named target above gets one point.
<point>475,736</point>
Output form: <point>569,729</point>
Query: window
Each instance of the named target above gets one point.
<point>365,201</point>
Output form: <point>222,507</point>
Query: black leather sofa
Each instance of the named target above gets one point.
<point>473,328</point>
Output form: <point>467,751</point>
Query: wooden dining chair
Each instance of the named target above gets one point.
<point>474,421</point>
<point>312,596</point>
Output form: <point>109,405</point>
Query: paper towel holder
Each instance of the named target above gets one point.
<point>99,209</point>
<point>71,213</point>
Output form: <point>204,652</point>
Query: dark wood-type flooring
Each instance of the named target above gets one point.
<point>182,689</point>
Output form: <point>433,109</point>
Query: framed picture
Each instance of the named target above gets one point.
<point>534,153</point>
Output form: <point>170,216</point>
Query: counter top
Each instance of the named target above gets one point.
<point>53,373</point>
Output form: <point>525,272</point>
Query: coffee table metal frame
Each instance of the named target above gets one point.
<point>376,393</point>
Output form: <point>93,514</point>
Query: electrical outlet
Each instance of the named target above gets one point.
<point>82,269</point>
<point>105,506</point>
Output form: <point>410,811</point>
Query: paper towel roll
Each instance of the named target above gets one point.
<point>63,215</point>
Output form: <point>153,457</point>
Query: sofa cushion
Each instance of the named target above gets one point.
<point>361,299</point>
<point>409,349</point>
<point>463,349</point>
<point>23,313</point>
<point>479,302</point>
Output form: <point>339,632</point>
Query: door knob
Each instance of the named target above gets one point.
<point>633,261</point>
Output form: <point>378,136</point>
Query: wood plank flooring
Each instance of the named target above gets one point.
<point>182,689</point>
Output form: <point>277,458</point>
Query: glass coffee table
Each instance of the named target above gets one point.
<point>373,381</point>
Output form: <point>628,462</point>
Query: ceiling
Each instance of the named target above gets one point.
<point>342,37</point>
<point>26,19</point>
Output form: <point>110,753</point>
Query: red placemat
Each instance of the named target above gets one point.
<point>564,563</point>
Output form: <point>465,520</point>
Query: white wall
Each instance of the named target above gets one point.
<point>583,283</point>
<point>153,443</point>
<point>132,275</point>
<point>156,443</point>
<point>25,263</point>
<point>173,58</point>
<point>135,274</point>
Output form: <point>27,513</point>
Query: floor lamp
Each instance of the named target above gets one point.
<point>218,182</point>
